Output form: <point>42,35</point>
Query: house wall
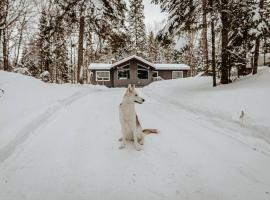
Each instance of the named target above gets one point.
<point>133,75</point>
<point>106,83</point>
<point>167,74</point>
<point>114,82</point>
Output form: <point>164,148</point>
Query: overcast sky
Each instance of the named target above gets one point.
<point>152,13</point>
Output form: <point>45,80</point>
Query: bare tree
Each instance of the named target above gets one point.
<point>204,37</point>
<point>213,37</point>
<point>10,11</point>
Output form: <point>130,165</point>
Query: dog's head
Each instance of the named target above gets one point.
<point>132,96</point>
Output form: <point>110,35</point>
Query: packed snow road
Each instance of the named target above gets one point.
<point>75,155</point>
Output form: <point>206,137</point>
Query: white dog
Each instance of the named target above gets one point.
<point>130,125</point>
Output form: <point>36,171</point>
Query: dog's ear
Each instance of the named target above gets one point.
<point>129,89</point>
<point>133,86</point>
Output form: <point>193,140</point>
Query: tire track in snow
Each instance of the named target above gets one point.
<point>232,126</point>
<point>42,119</point>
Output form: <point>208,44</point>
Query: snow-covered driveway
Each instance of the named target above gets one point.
<point>75,155</point>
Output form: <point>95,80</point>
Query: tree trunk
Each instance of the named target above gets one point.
<point>213,44</point>
<point>80,48</point>
<point>256,56</point>
<point>5,50</point>
<point>204,38</point>
<point>20,40</point>
<point>257,47</point>
<point>224,43</point>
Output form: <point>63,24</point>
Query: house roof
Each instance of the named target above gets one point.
<point>100,66</point>
<point>172,66</point>
<point>106,66</point>
<point>133,57</point>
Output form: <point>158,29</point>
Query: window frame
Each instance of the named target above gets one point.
<point>122,69</point>
<point>142,69</point>
<point>182,74</point>
<point>103,78</point>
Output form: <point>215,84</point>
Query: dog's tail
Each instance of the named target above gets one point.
<point>150,131</point>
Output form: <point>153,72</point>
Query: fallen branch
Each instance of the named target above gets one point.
<point>1,92</point>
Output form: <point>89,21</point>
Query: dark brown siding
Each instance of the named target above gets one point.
<point>133,75</point>
<point>167,74</point>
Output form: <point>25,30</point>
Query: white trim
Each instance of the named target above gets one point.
<point>182,74</point>
<point>103,77</point>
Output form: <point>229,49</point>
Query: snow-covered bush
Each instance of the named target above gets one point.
<point>22,70</point>
<point>45,76</point>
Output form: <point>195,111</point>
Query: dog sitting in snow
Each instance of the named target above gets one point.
<point>130,126</point>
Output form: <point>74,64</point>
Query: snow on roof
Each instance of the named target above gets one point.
<point>171,67</point>
<point>98,66</point>
<point>131,57</point>
<point>106,66</point>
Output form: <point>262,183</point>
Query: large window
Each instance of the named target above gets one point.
<point>142,73</point>
<point>155,74</point>
<point>102,75</point>
<point>177,74</point>
<point>123,73</point>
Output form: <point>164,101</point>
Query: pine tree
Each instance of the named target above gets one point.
<point>152,47</point>
<point>60,54</point>
<point>44,43</point>
<point>29,58</point>
<point>137,27</point>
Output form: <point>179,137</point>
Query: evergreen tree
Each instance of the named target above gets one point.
<point>60,54</point>
<point>45,43</point>
<point>152,48</point>
<point>29,58</point>
<point>137,27</point>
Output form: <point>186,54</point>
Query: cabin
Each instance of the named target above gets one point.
<point>134,70</point>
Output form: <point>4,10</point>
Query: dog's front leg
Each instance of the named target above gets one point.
<point>137,146</point>
<point>123,141</point>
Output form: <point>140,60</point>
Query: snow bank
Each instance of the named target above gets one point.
<point>72,154</point>
<point>225,102</point>
<point>27,101</point>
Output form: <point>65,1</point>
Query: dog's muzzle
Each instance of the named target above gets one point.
<point>140,102</point>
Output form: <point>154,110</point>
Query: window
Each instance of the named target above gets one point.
<point>177,74</point>
<point>155,74</point>
<point>142,73</point>
<point>102,75</point>
<point>123,73</point>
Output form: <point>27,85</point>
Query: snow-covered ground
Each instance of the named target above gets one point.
<point>60,142</point>
<point>223,104</point>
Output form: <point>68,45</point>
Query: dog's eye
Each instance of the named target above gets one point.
<point>136,95</point>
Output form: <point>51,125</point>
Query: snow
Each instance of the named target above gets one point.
<point>224,103</point>
<point>22,70</point>
<point>257,15</point>
<point>44,74</point>
<point>180,43</point>
<point>172,67</point>
<point>132,57</point>
<point>60,142</point>
<point>100,66</point>
<point>105,66</point>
